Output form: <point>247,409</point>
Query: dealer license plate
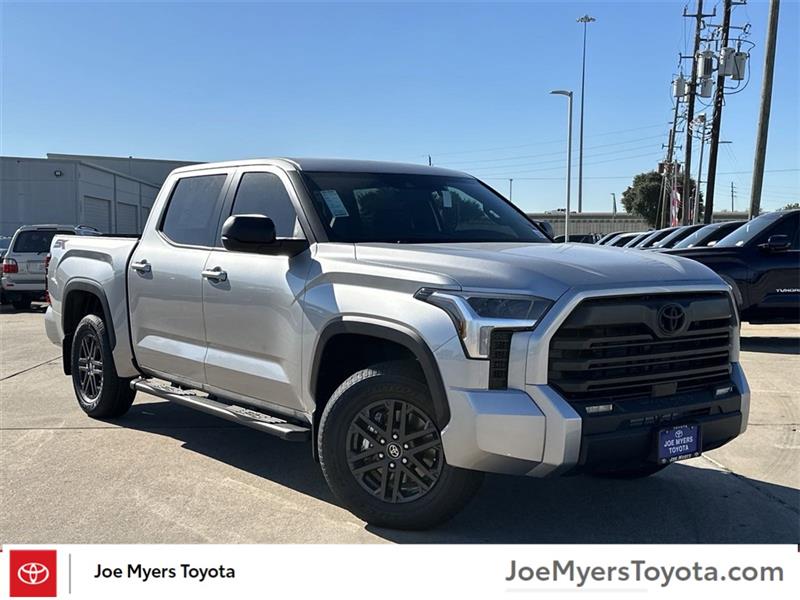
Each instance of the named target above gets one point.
<point>678,443</point>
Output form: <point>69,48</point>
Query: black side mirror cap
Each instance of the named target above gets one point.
<point>256,234</point>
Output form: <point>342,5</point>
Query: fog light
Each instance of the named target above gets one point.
<point>599,408</point>
<point>723,390</point>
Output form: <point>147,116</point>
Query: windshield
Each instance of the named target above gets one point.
<point>36,241</point>
<point>397,208</point>
<point>748,231</point>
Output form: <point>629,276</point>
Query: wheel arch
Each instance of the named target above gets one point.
<point>82,297</point>
<point>393,334</point>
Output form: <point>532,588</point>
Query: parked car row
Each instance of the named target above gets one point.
<point>24,264</point>
<point>758,259</point>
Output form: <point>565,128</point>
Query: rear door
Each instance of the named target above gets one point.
<point>165,278</point>
<point>253,315</point>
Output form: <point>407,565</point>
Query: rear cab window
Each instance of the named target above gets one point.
<point>36,241</point>
<point>193,210</point>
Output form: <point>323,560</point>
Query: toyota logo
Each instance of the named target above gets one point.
<point>671,319</point>
<point>33,573</point>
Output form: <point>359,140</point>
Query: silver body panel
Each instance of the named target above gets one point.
<point>253,337</point>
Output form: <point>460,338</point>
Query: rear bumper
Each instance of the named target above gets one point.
<point>536,432</point>
<point>10,285</point>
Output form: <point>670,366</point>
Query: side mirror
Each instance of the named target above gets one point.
<point>256,234</point>
<point>777,243</point>
<point>248,233</point>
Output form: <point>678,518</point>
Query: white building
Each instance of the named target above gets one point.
<point>110,193</point>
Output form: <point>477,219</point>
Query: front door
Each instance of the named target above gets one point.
<point>165,284</point>
<point>252,302</point>
<point>776,286</point>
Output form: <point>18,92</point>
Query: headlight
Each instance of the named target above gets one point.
<point>477,314</point>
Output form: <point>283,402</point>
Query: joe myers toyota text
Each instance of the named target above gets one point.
<point>409,322</point>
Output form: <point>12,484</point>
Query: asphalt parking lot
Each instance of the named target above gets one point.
<point>166,474</point>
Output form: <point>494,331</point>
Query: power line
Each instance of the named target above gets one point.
<point>524,156</point>
<point>541,143</point>
<point>596,162</point>
<point>555,160</point>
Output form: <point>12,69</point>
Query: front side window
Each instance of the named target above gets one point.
<point>265,194</point>
<point>400,208</point>
<point>191,217</point>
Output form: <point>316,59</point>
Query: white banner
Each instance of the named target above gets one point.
<point>387,572</point>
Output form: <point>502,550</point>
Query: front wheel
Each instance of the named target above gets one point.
<point>382,455</point>
<point>101,393</point>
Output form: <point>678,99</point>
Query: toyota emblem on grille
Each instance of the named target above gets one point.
<point>671,319</point>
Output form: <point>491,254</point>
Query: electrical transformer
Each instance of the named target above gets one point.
<point>705,64</point>
<point>705,88</point>
<point>726,61</point>
<point>679,87</point>
<point>739,66</point>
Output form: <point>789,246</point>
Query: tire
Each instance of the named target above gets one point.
<point>639,472</point>
<point>101,393</point>
<point>404,483</point>
<point>21,304</point>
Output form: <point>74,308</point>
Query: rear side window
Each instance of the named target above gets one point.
<point>265,194</point>
<point>192,211</point>
<point>36,241</point>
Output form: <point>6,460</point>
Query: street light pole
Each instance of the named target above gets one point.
<point>585,19</point>
<point>568,94</point>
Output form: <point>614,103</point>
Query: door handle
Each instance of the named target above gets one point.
<point>142,267</point>
<point>215,274</point>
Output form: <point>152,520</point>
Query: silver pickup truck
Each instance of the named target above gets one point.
<point>411,323</point>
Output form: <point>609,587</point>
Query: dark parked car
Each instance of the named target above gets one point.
<point>676,236</point>
<point>545,226</point>
<point>624,238</point>
<point>608,237</point>
<point>761,262</point>
<point>709,235</point>
<point>655,237</point>
<point>580,238</point>
<point>637,240</point>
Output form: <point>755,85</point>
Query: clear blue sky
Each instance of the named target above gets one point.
<point>467,83</point>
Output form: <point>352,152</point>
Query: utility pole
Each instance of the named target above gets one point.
<point>716,123</point>
<point>430,162</point>
<point>763,115</point>
<point>510,188</point>
<point>568,94</point>
<point>585,19</point>
<point>665,193</point>
<point>733,195</point>
<point>692,86</point>
<point>696,207</point>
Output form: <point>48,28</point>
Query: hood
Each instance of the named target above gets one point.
<point>547,270</point>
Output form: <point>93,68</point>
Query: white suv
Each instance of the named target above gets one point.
<point>24,263</point>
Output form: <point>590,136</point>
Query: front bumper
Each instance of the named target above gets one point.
<point>530,429</point>
<point>536,432</point>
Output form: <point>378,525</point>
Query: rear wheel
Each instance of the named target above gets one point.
<point>382,454</point>
<point>101,393</point>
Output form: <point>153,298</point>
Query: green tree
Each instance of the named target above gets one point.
<point>643,196</point>
<point>791,205</point>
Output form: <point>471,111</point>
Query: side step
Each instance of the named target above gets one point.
<point>238,414</point>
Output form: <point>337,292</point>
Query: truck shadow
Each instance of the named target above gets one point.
<point>773,345</point>
<point>683,504</point>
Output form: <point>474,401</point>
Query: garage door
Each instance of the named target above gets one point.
<point>126,218</point>
<point>97,213</point>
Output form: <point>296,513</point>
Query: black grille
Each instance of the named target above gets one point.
<point>499,351</point>
<point>614,348</point>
